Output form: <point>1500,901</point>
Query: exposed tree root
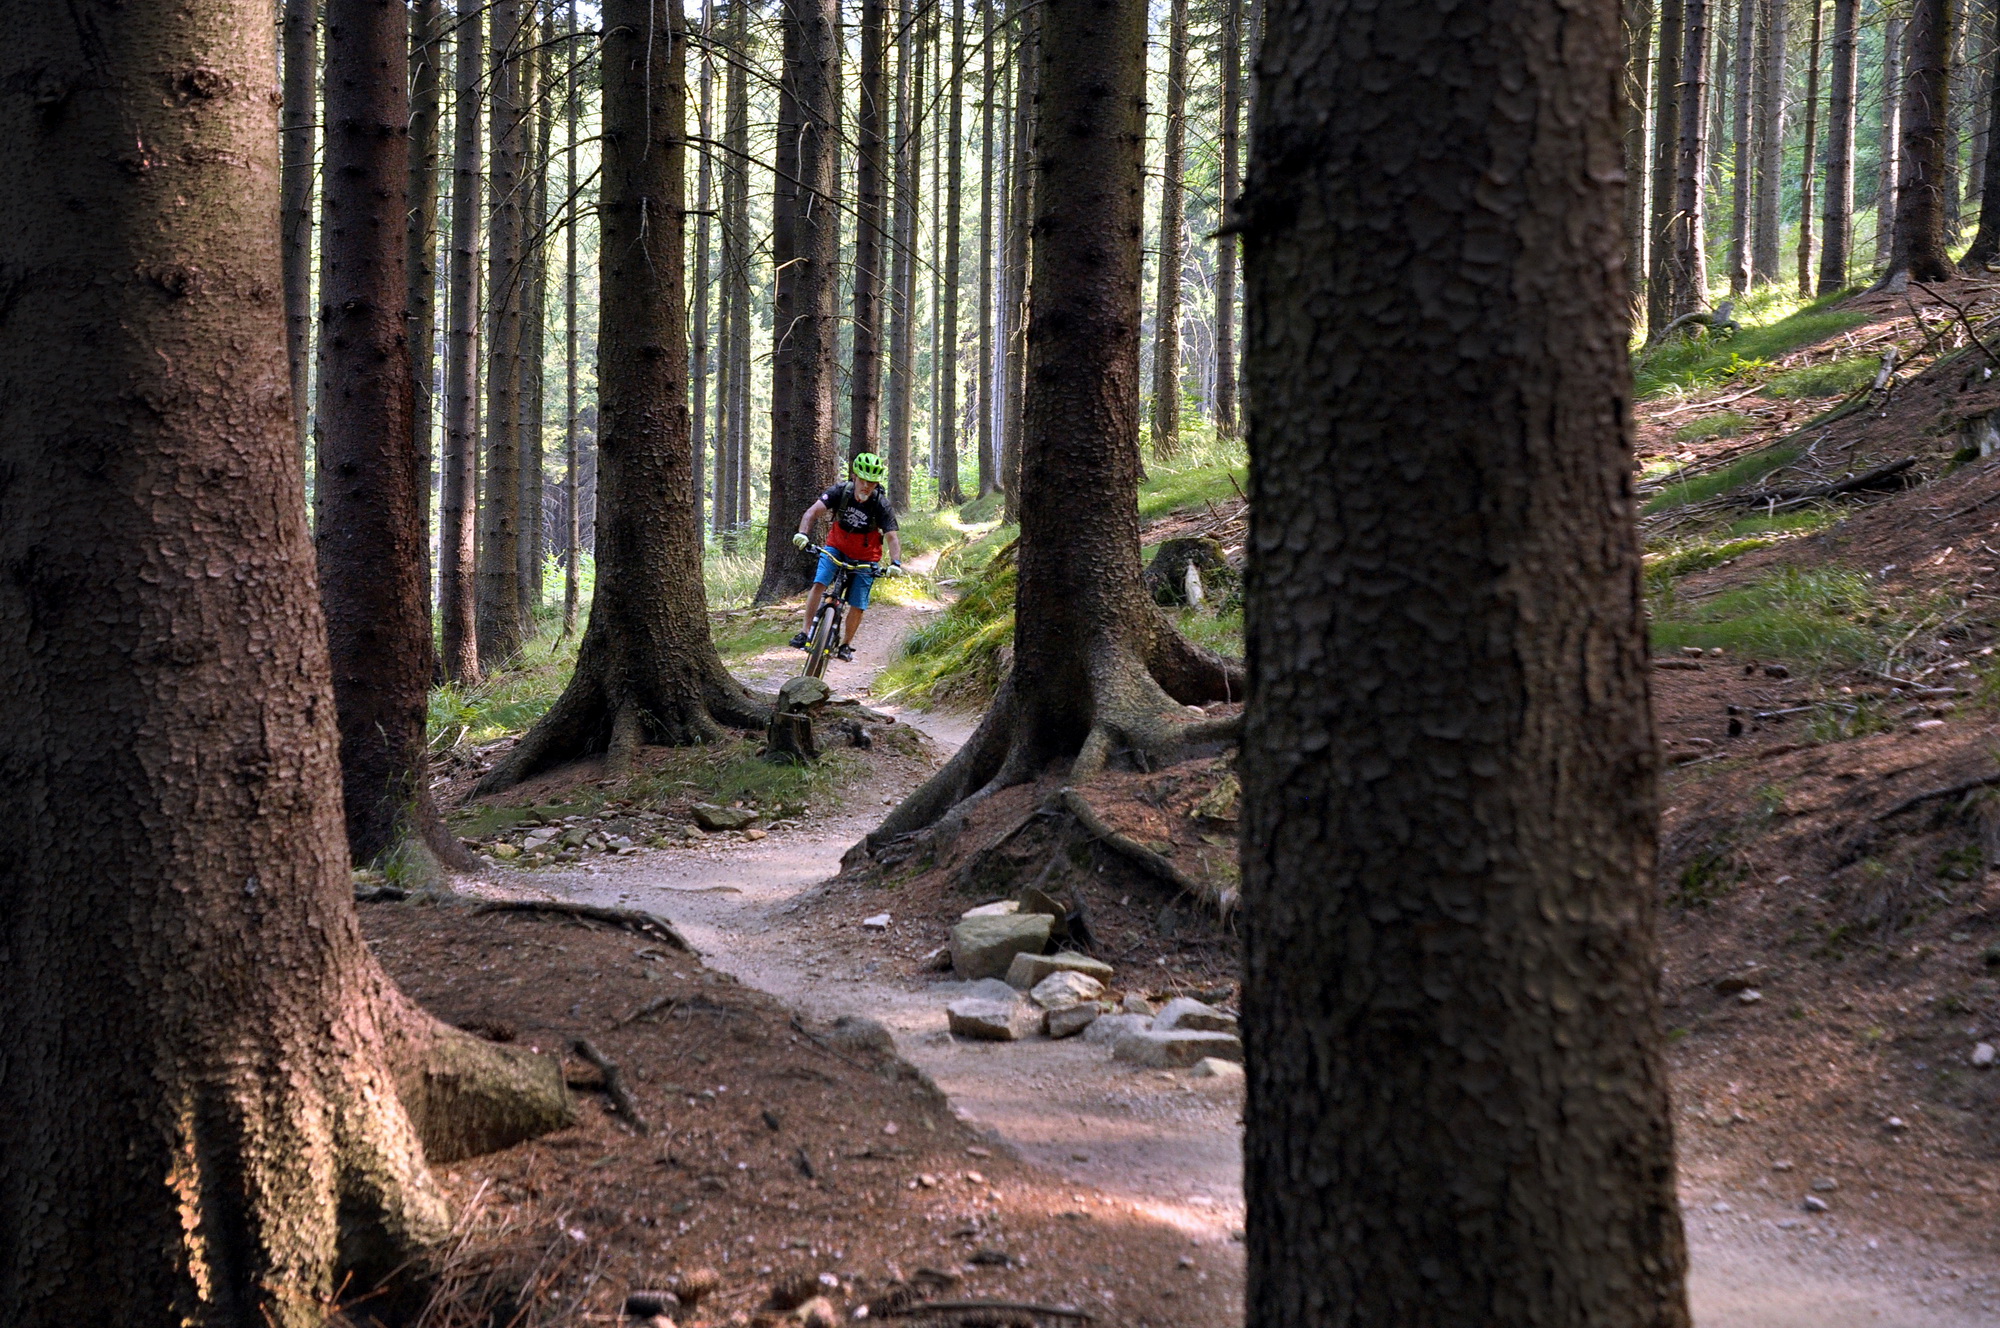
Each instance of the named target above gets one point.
<point>636,921</point>
<point>1221,901</point>
<point>621,1097</point>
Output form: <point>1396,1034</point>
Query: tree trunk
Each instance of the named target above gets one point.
<point>573,537</point>
<point>1458,1107</point>
<point>1689,247</point>
<point>426,60</point>
<point>1766,233</point>
<point>301,116</point>
<point>1098,668</point>
<point>534,307</point>
<point>1919,251</point>
<point>988,477</point>
<point>646,669</point>
<point>1742,166</point>
<point>1231,38</point>
<point>1660,282</point>
<point>950,492</point>
<point>704,208</point>
<point>902,240</point>
<point>1715,97</point>
<point>1838,222</point>
<point>501,629</point>
<point>1173,243</point>
<point>864,429</point>
<point>738,274</point>
<point>1985,246</point>
<point>1888,176</point>
<point>1808,157</point>
<point>1954,119</point>
<point>216,1109</point>
<point>805,253</point>
<point>1021,200</point>
<point>1978,85</point>
<point>458,480</point>
<point>371,534</point>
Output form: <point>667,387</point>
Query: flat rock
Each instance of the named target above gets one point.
<point>1184,1014</point>
<point>1028,969</point>
<point>1111,1027</point>
<point>1214,1067</point>
<point>983,947</point>
<point>1134,1003</point>
<point>1175,1049</point>
<point>711,817</point>
<point>999,908</point>
<point>1059,991</point>
<point>991,1021</point>
<point>1071,1021</point>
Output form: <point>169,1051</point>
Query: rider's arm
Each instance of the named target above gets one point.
<point>895,546</point>
<point>813,513</point>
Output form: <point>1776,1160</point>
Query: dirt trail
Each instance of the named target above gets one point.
<point>1167,1146</point>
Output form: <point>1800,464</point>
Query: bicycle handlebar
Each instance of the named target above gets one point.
<point>838,559</point>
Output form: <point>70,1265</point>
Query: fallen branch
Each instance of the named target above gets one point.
<point>1949,791</point>
<point>652,1007</point>
<point>625,919</point>
<point>1222,901</point>
<point>1719,321</point>
<point>1868,481</point>
<point>614,1086</point>
<point>995,1306</point>
<point>1963,318</point>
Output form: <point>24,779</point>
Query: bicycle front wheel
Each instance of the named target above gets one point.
<point>820,646</point>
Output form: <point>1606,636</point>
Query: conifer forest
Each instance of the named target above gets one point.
<point>1000,663</point>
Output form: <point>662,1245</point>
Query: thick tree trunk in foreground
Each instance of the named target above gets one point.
<point>1888,174</point>
<point>1688,235</point>
<point>1099,669</point>
<point>371,534</point>
<point>1173,243</point>
<point>501,626</point>
<point>805,253</point>
<point>1765,237</point>
<point>214,1107</point>
<point>1741,162</point>
<point>300,37</point>
<point>1808,156</point>
<point>1838,214</point>
<point>1225,239</point>
<point>1660,276</point>
<point>458,477</point>
<point>646,670</point>
<point>1985,247</point>
<point>1919,251</point>
<point>427,28</point>
<point>864,428</point>
<point>1457,1111</point>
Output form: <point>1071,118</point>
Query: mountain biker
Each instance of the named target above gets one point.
<point>862,521</point>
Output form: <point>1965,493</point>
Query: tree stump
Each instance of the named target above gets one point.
<point>1166,577</point>
<point>790,737</point>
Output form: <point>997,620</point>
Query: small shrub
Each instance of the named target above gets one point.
<point>1836,378</point>
<point>1726,425</point>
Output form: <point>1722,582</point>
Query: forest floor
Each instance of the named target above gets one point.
<point>1824,673</point>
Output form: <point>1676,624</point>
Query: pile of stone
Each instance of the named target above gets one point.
<point>1015,991</point>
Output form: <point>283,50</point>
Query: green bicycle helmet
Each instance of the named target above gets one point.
<point>868,466</point>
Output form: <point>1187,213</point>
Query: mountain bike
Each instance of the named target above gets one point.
<point>824,637</point>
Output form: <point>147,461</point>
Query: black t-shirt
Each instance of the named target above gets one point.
<point>857,528</point>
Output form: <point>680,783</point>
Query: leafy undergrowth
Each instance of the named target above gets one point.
<point>956,655</point>
<point>1820,615</point>
<point>1771,326</point>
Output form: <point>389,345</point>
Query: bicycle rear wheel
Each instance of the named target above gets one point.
<point>820,645</point>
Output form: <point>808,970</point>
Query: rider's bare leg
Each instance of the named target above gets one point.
<point>853,625</point>
<point>813,598</point>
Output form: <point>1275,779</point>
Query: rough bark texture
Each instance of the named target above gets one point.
<point>1688,256</point>
<point>501,626</point>
<point>1919,250</point>
<point>573,536</point>
<point>1769,132</point>
<point>1020,207</point>
<point>371,533</point>
<point>1166,419</point>
<point>988,477</point>
<point>1666,158</point>
<point>739,245</point>
<point>427,28</point>
<point>300,37</point>
<point>902,265</point>
<point>458,477</point>
<point>1837,222</point>
<point>646,669</point>
<point>1887,174</point>
<point>1098,669</point>
<point>1457,1111</point>
<point>1740,203</point>
<point>864,427</point>
<point>950,492</point>
<point>1985,246</point>
<point>1226,252</point>
<point>1809,154</point>
<point>214,1108</point>
<point>805,254</point>
<point>704,208</point>
<point>534,310</point>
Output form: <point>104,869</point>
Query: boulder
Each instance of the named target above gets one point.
<point>991,1021</point>
<point>1182,1013</point>
<point>1134,1003</point>
<point>1059,991</point>
<point>711,817</point>
<point>983,947</point>
<point>1028,969</point>
<point>1210,1067</point>
<point>1070,1021</point>
<point>1110,1027</point>
<point>998,908</point>
<point>1175,1049</point>
<point>860,1033</point>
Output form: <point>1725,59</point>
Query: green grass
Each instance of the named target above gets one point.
<point>1824,615</point>
<point>956,655</point>
<point>1772,327</point>
<point>1800,521</point>
<point>1192,480</point>
<point>1666,566</point>
<point>1743,471</point>
<point>1220,632</point>
<point>733,772</point>
<point>1726,425</point>
<point>1836,378</point>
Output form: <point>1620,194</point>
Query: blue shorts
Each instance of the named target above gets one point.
<point>857,587</point>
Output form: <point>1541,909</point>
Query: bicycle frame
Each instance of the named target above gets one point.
<point>824,637</point>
